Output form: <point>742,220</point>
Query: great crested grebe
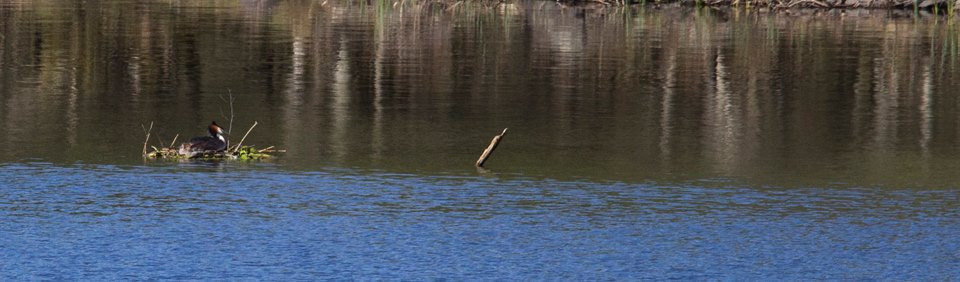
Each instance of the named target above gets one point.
<point>198,145</point>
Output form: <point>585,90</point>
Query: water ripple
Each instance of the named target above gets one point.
<point>110,222</point>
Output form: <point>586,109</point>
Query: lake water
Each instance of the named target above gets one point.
<point>643,143</point>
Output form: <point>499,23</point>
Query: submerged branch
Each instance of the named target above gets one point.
<point>489,150</point>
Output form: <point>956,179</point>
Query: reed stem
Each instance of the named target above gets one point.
<point>147,131</point>
<point>244,137</point>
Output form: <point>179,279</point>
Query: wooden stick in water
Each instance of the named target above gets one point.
<point>490,148</point>
<point>244,137</point>
<point>174,142</point>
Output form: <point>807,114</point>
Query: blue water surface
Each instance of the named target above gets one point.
<point>215,221</point>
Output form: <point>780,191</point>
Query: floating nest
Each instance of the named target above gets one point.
<point>243,153</point>
<point>231,153</point>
